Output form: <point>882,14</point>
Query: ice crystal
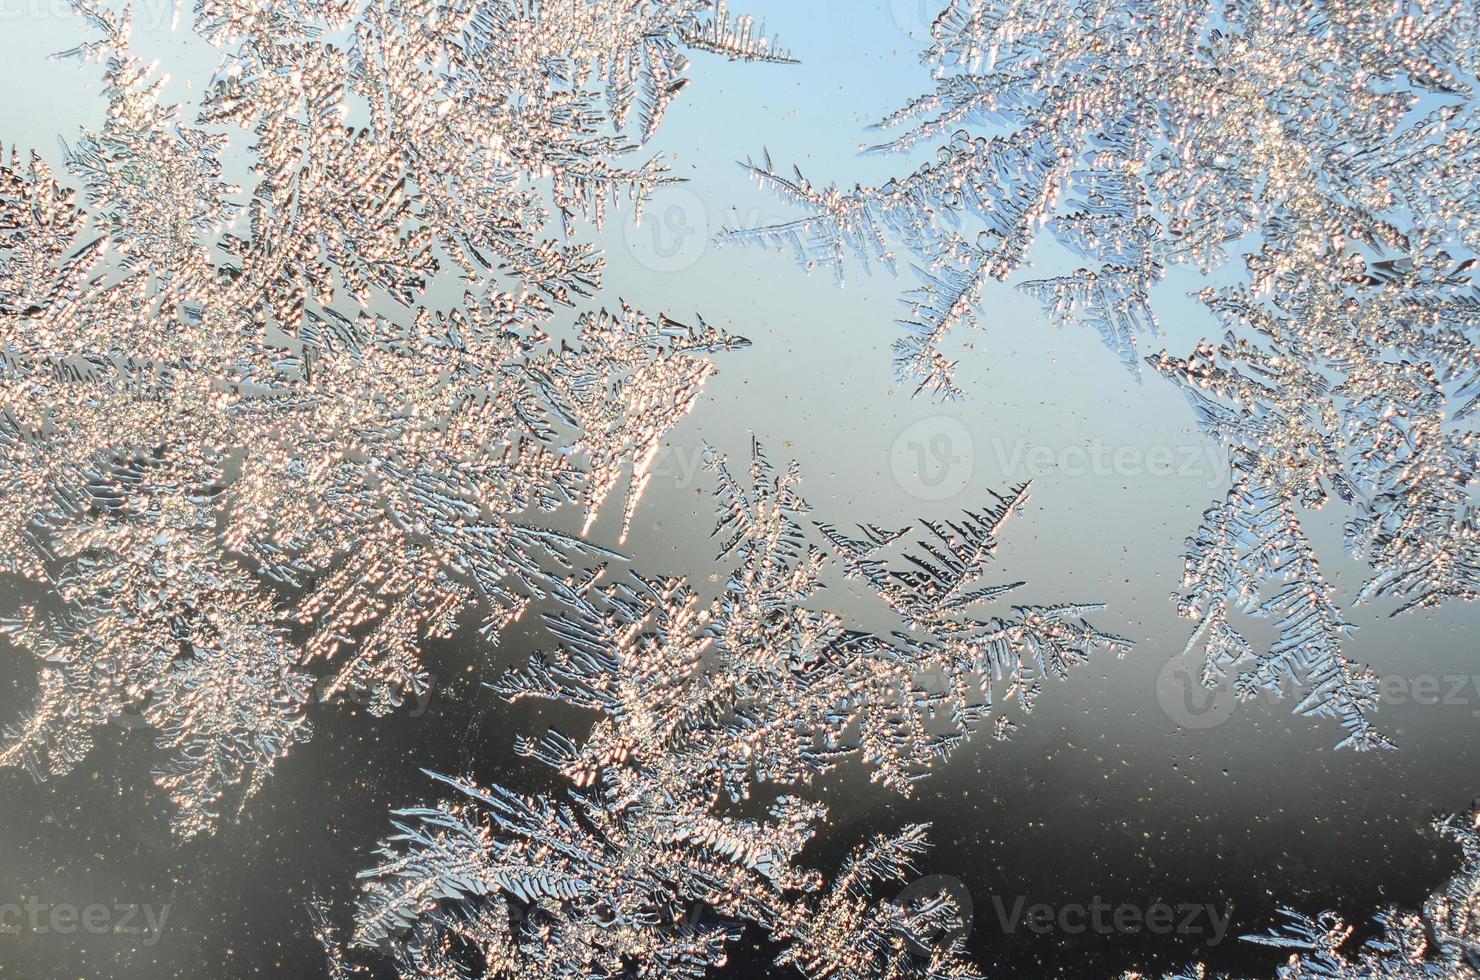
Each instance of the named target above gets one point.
<point>1328,142</point>
<point>1441,942</point>
<point>658,854</point>
<point>253,438</point>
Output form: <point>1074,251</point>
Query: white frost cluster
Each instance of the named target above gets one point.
<point>1313,162</point>
<point>253,438</point>
<point>679,826</point>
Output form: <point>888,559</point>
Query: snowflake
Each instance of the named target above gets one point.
<point>1328,142</point>
<point>254,438</point>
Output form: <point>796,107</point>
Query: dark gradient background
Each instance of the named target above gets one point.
<point>1101,793</point>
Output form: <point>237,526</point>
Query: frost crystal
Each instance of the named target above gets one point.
<point>1442,942</point>
<point>1328,142</point>
<point>660,854</point>
<point>251,439</point>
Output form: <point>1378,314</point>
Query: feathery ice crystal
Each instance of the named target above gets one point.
<point>1330,144</point>
<point>670,838</point>
<point>251,439</point>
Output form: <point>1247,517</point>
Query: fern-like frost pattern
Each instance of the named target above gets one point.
<point>1324,144</point>
<point>681,824</point>
<point>257,439</point>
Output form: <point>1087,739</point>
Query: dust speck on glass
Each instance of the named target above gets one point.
<point>435,547</point>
